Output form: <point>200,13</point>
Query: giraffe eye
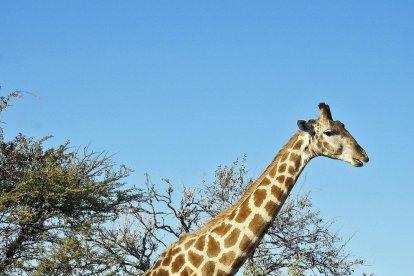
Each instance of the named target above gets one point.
<point>329,133</point>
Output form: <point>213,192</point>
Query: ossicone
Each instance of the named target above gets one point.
<point>324,111</point>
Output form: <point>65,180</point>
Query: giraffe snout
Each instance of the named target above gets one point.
<point>364,155</point>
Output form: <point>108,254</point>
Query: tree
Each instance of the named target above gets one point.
<point>53,204</point>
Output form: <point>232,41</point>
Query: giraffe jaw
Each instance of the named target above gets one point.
<point>357,162</point>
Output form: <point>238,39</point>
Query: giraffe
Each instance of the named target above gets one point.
<point>221,246</point>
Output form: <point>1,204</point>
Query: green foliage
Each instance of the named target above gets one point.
<point>251,269</point>
<point>294,269</point>
<point>52,201</point>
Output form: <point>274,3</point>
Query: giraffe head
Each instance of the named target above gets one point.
<point>331,139</point>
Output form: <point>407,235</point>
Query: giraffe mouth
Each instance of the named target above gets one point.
<point>357,162</point>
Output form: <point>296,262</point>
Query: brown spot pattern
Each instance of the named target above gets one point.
<point>157,264</point>
<point>291,170</point>
<point>222,229</point>
<point>298,162</point>
<point>189,243</point>
<point>277,192</point>
<point>200,243</point>
<point>293,156</point>
<point>296,159</point>
<point>282,168</point>
<point>221,273</point>
<point>245,243</point>
<point>289,182</point>
<point>174,251</point>
<point>194,258</point>
<point>265,181</point>
<point>208,269</point>
<point>298,145</point>
<point>213,247</point>
<point>256,225</point>
<point>177,263</point>
<point>284,157</point>
<point>186,271</point>
<point>231,217</point>
<point>167,260</point>
<point>271,207</point>
<point>272,172</point>
<point>162,272</point>
<point>280,178</point>
<point>244,211</point>
<point>232,238</point>
<point>227,258</point>
<point>182,236</point>
<point>258,197</point>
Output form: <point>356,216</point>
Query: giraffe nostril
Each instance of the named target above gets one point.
<point>365,155</point>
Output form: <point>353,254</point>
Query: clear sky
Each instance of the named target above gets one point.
<point>176,88</point>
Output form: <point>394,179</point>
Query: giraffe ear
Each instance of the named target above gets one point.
<point>305,126</point>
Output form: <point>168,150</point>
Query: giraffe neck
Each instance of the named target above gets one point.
<point>258,207</point>
<point>276,182</point>
<point>222,246</point>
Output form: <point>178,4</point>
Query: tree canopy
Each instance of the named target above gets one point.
<point>53,201</point>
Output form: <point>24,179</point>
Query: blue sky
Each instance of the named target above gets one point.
<point>177,88</point>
